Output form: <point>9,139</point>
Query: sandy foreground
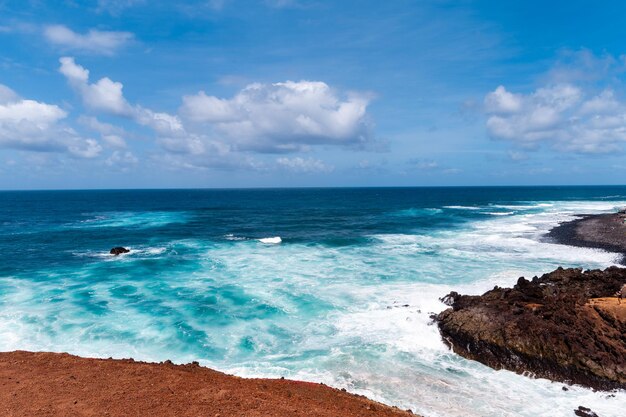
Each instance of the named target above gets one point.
<point>58,384</point>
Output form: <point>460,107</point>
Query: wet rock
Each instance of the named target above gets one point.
<point>584,412</point>
<point>118,250</point>
<point>566,326</point>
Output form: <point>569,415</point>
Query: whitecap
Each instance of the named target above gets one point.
<point>501,213</point>
<point>231,236</point>
<point>271,240</point>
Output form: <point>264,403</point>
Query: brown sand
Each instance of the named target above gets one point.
<point>53,384</point>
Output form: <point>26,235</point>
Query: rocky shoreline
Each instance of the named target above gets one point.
<point>58,384</point>
<point>600,231</point>
<point>565,326</point>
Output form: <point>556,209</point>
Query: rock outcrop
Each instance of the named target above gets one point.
<point>566,326</point>
<point>118,250</point>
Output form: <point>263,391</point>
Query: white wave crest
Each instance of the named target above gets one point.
<point>271,240</point>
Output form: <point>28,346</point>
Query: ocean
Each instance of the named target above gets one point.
<point>326,285</point>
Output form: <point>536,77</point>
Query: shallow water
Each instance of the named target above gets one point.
<point>343,297</point>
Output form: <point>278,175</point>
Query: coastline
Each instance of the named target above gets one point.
<point>597,231</point>
<point>60,384</point>
<point>566,326</point>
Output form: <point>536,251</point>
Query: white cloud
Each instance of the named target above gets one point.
<point>88,148</point>
<point>216,132</point>
<point>164,124</point>
<point>35,126</point>
<point>501,101</point>
<point>561,115</point>
<point>301,165</point>
<point>94,41</point>
<point>121,159</point>
<point>282,117</point>
<point>105,95</point>
<point>25,124</point>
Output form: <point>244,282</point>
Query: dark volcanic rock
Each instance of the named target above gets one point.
<point>584,412</point>
<point>565,326</point>
<point>118,250</point>
<point>601,231</point>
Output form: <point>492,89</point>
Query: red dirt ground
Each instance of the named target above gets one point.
<point>58,384</point>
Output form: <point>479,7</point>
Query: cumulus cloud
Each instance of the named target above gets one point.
<point>561,115</point>
<point>301,165</point>
<point>282,117</point>
<point>35,126</point>
<point>94,41</point>
<point>107,96</point>
<point>218,132</point>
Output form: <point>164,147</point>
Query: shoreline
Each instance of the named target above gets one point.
<point>60,384</point>
<point>566,326</point>
<point>595,231</point>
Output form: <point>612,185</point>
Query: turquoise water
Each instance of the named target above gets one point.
<point>343,297</point>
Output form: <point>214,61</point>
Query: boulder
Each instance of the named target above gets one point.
<point>118,250</point>
<point>566,326</point>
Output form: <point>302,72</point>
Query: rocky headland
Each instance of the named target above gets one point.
<point>53,384</point>
<point>566,326</point>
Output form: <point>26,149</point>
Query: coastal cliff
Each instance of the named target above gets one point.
<point>566,326</point>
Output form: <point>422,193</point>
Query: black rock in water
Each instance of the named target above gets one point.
<point>584,412</point>
<point>118,250</point>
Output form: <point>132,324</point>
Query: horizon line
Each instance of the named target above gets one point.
<point>310,187</point>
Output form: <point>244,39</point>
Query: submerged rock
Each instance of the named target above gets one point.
<point>118,250</point>
<point>566,326</point>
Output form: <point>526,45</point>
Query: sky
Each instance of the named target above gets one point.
<point>307,93</point>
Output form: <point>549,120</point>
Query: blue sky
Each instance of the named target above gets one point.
<point>234,93</point>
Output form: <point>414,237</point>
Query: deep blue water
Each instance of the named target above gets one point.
<point>324,304</point>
